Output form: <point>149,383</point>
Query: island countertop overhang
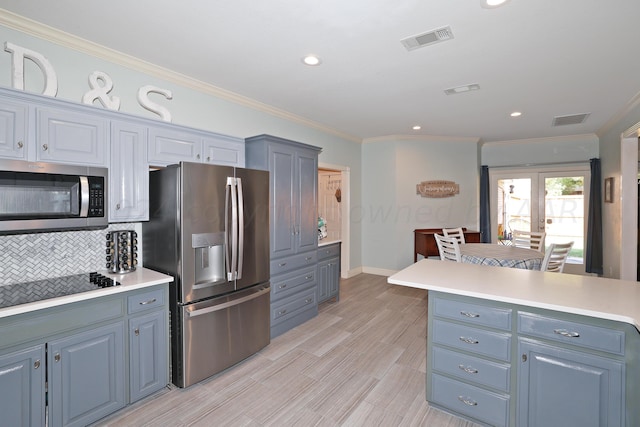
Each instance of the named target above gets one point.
<point>611,299</point>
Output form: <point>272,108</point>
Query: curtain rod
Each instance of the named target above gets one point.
<point>524,165</point>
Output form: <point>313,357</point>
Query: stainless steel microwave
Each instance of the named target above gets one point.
<point>36,197</point>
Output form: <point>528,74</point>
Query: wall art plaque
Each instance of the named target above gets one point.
<point>437,189</point>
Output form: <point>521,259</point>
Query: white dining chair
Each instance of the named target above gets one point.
<point>528,239</point>
<point>448,247</point>
<point>458,233</point>
<point>556,256</point>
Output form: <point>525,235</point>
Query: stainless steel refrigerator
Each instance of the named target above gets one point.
<point>209,228</point>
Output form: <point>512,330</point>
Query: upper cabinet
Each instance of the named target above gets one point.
<point>13,129</point>
<point>65,136</point>
<point>170,146</point>
<point>293,169</point>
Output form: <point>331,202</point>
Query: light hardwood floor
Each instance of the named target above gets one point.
<point>360,362</point>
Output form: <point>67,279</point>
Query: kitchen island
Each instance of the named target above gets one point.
<point>510,347</point>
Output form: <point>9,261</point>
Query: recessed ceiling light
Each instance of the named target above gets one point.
<point>311,60</point>
<point>461,89</point>
<point>492,4</point>
<point>417,127</point>
<point>516,114</point>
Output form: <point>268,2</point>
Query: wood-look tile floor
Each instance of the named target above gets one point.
<point>360,362</point>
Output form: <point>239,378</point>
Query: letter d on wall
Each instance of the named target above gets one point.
<point>18,55</point>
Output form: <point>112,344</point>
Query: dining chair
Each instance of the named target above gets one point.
<point>556,256</point>
<point>458,233</point>
<point>528,239</point>
<point>448,247</point>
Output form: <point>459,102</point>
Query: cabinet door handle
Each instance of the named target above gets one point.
<point>566,333</point>
<point>36,364</point>
<point>45,147</point>
<point>468,369</point>
<point>467,401</point>
<point>57,357</point>
<point>117,206</point>
<point>469,340</point>
<point>469,314</point>
<point>198,156</point>
<point>136,331</point>
<point>208,159</point>
<point>20,144</point>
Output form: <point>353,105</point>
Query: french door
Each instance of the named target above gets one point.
<point>553,200</point>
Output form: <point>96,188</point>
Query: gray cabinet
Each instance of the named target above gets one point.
<point>128,173</point>
<point>69,136</point>
<point>101,354</point>
<point>171,145</point>
<point>293,226</point>
<point>22,385</point>
<point>148,357</point>
<point>86,376</point>
<point>13,129</point>
<point>505,365</point>
<point>329,272</point>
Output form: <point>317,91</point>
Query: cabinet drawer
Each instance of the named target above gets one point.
<point>473,313</point>
<point>480,371</point>
<point>289,307</point>
<point>145,301</point>
<point>579,334</point>
<point>292,282</point>
<point>478,341</point>
<point>283,265</point>
<point>329,251</point>
<point>474,402</point>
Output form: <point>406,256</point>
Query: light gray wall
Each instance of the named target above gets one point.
<point>391,209</point>
<point>188,107</point>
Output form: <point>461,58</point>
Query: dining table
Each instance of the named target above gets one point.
<point>501,255</point>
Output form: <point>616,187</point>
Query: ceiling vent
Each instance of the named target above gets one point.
<point>573,119</point>
<point>429,38</point>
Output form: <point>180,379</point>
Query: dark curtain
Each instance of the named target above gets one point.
<point>485,217</point>
<point>593,256</point>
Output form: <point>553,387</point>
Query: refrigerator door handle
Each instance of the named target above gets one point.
<point>230,303</point>
<point>228,249</point>
<point>240,247</point>
<point>233,268</point>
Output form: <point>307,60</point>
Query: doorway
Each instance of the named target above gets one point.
<point>554,200</point>
<point>333,207</point>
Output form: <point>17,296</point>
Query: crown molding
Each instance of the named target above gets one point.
<point>633,103</point>
<point>426,138</point>
<point>543,139</point>
<point>50,34</point>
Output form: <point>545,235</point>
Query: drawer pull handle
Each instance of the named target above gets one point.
<point>308,258</point>
<point>468,314</point>
<point>566,333</point>
<point>282,264</point>
<point>308,277</point>
<point>467,401</point>
<point>308,300</point>
<point>284,285</point>
<point>151,301</point>
<point>468,369</point>
<point>282,311</point>
<point>469,340</point>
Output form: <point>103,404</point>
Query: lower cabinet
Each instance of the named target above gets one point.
<point>75,364</point>
<point>329,272</point>
<point>86,376</point>
<point>503,364</point>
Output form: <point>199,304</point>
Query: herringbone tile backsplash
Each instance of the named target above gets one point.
<point>29,257</point>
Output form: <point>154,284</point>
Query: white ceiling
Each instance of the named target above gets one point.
<point>545,58</point>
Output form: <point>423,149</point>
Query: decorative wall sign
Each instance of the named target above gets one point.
<point>99,82</point>
<point>437,189</point>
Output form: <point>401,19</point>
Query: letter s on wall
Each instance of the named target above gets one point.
<point>144,101</point>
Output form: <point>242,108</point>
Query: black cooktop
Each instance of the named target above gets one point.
<point>22,293</point>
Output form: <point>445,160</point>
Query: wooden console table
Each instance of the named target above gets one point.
<point>425,244</point>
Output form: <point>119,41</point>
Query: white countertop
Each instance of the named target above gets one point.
<point>325,242</point>
<point>140,278</point>
<point>585,295</point>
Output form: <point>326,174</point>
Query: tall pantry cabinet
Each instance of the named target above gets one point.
<point>293,226</point>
